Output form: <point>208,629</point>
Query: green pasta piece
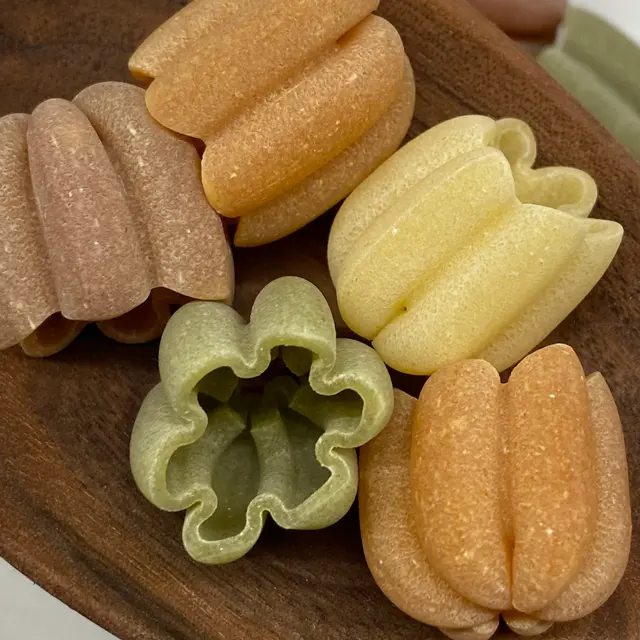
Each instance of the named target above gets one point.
<point>257,418</point>
<point>599,65</point>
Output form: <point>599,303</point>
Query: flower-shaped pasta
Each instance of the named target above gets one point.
<point>256,418</point>
<point>103,219</point>
<point>457,248</point>
<point>482,499</point>
<point>297,102</point>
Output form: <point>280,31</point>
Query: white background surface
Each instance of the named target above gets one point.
<point>27,612</point>
<point>30,613</point>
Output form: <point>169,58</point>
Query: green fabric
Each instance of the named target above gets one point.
<point>601,67</point>
<point>257,418</point>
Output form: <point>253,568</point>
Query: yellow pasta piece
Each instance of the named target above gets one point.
<point>456,248</point>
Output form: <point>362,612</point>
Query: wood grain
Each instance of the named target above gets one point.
<point>71,518</point>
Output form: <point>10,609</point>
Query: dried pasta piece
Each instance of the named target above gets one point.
<point>256,418</point>
<point>483,499</point>
<point>598,65</point>
<point>456,248</point>
<point>296,102</point>
<point>104,220</point>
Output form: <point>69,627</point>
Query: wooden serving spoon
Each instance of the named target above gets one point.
<point>71,518</point>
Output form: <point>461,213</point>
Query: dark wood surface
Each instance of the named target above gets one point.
<point>70,516</point>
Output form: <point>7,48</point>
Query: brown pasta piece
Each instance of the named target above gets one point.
<point>104,220</point>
